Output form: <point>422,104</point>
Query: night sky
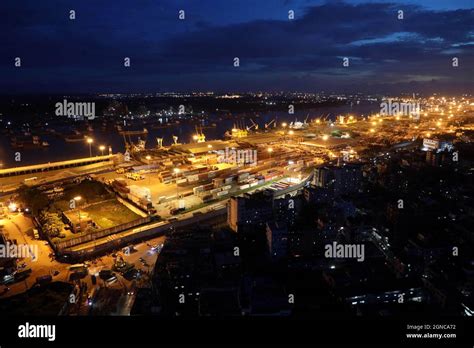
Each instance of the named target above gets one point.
<point>86,55</point>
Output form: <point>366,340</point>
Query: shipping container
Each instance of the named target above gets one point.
<point>202,177</point>
<point>208,187</point>
<point>140,192</point>
<point>217,182</point>
<point>207,198</point>
<point>222,193</point>
<point>193,178</point>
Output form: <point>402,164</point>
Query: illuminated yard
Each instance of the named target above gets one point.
<point>110,213</point>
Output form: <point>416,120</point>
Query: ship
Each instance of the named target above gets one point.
<point>134,132</point>
<point>75,137</point>
<point>27,141</point>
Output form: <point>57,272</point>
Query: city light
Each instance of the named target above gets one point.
<point>183,211</point>
<point>12,207</point>
<point>90,141</point>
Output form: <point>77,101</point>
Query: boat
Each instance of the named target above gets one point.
<point>134,132</point>
<point>74,137</point>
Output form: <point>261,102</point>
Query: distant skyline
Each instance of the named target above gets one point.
<point>386,54</point>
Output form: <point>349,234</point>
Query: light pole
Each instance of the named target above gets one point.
<point>270,150</point>
<point>207,156</point>
<point>176,171</point>
<point>148,158</point>
<point>77,199</point>
<point>90,141</point>
<point>102,148</point>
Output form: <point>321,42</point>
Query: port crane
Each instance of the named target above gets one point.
<point>270,123</point>
<point>160,142</point>
<point>199,137</point>
<point>254,125</point>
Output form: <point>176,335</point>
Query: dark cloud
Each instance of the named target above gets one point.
<point>86,55</point>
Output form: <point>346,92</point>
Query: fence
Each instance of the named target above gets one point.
<point>88,237</point>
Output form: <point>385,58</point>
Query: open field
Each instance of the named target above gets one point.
<point>110,213</point>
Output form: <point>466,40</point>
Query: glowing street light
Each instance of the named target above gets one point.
<point>284,124</point>
<point>325,137</point>
<point>12,206</point>
<point>270,150</point>
<point>102,148</point>
<point>291,132</point>
<point>77,199</point>
<point>148,157</point>
<point>90,141</point>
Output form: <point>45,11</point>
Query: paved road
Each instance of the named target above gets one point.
<point>19,227</point>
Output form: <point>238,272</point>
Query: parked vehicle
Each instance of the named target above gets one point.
<point>44,279</point>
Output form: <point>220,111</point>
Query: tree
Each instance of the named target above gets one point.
<point>32,198</point>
